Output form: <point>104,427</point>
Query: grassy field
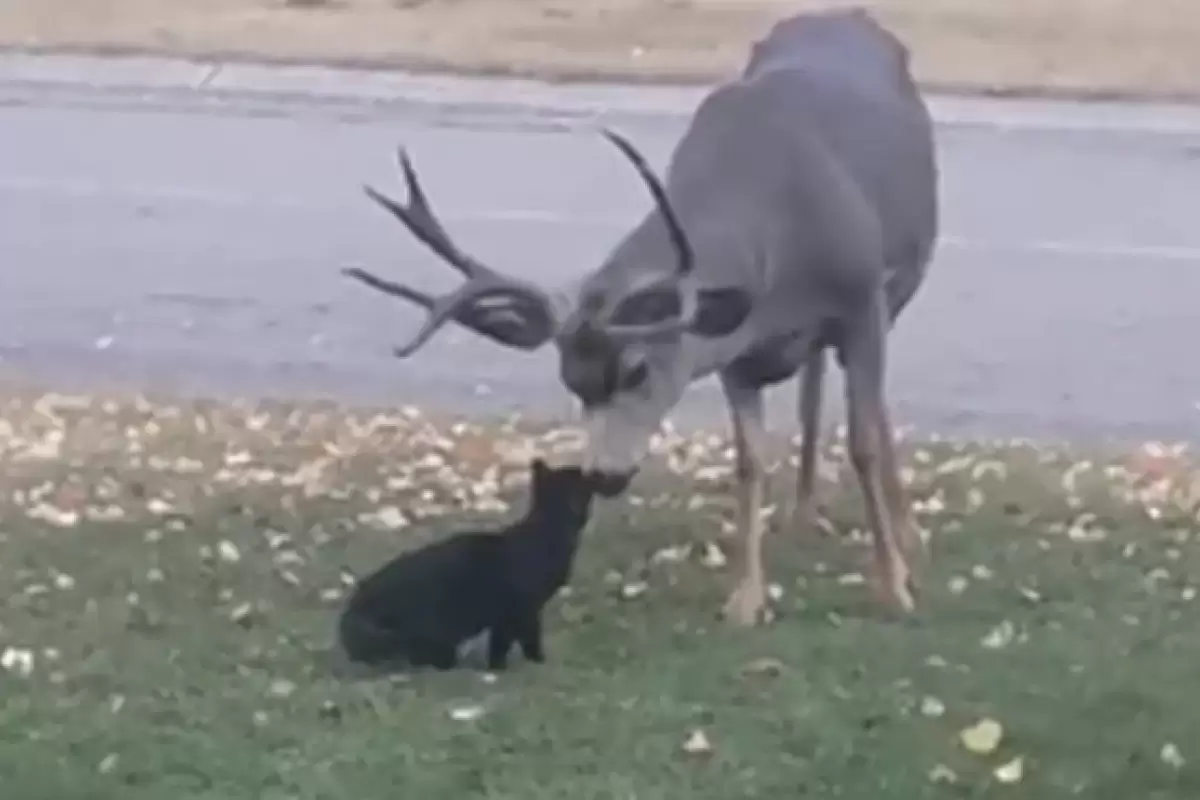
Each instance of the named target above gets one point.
<point>1094,46</point>
<point>171,573</point>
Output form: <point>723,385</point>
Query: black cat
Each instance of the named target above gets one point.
<point>418,608</point>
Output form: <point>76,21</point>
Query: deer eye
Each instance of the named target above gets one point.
<point>648,307</point>
<point>633,377</point>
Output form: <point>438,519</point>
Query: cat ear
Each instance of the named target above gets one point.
<point>539,470</point>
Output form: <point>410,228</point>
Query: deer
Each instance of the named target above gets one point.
<point>798,216</point>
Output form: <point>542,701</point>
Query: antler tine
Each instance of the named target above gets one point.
<point>503,324</point>
<point>420,220</point>
<point>683,247</point>
<point>441,309</point>
<point>389,287</point>
<point>418,217</point>
<point>526,301</point>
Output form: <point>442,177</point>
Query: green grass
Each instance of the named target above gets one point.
<point>143,685</point>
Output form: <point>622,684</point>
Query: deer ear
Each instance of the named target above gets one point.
<point>720,312</point>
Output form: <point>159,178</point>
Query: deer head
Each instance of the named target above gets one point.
<point>621,339</point>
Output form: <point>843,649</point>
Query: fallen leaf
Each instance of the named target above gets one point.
<point>932,707</point>
<point>1011,771</point>
<point>18,661</point>
<point>229,552</point>
<point>389,517</point>
<point>242,613</point>
<point>1171,756</point>
<point>1000,636</point>
<point>763,666</point>
<point>159,507</point>
<point>1029,594</point>
<point>671,555</point>
<point>634,589</point>
<point>942,774</point>
<point>983,737</point>
<point>61,518</point>
<point>466,713</point>
<point>713,557</point>
<point>697,743</point>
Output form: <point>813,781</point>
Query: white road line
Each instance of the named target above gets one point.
<point>1151,252</point>
<point>145,193</point>
<point>86,190</point>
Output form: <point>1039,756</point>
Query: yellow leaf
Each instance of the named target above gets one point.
<point>942,774</point>
<point>932,707</point>
<point>763,666</point>
<point>983,737</point>
<point>697,743</point>
<point>1000,636</point>
<point>466,713</point>
<point>1010,772</point>
<point>1171,756</point>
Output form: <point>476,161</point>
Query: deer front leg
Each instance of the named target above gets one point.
<point>809,410</point>
<point>864,361</point>
<point>746,603</point>
<point>893,490</point>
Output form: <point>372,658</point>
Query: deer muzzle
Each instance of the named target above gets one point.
<point>611,484</point>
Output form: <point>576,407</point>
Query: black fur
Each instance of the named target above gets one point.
<point>418,608</point>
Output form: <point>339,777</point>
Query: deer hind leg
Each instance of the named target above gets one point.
<point>746,603</point>
<point>863,355</point>
<point>809,411</point>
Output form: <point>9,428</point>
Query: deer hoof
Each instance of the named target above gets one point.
<point>809,521</point>
<point>895,588</point>
<point>804,519</point>
<point>746,606</point>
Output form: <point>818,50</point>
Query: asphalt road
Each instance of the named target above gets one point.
<point>182,243</point>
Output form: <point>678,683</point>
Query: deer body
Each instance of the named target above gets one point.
<point>799,214</point>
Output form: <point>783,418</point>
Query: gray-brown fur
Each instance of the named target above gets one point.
<point>799,215</point>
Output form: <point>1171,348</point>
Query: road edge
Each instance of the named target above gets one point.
<point>151,73</point>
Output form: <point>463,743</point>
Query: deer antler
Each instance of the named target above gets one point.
<point>685,256</point>
<point>506,309</point>
<point>683,248</point>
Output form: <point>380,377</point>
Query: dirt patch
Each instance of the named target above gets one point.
<point>1092,46</point>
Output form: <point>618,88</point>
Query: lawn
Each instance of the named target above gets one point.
<point>172,569</point>
<point>1147,47</point>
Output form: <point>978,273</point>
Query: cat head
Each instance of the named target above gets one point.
<point>562,491</point>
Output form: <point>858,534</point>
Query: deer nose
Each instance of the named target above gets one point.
<point>591,394</point>
<point>593,385</point>
<point>611,484</point>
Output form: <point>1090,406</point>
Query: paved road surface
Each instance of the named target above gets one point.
<point>195,243</point>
